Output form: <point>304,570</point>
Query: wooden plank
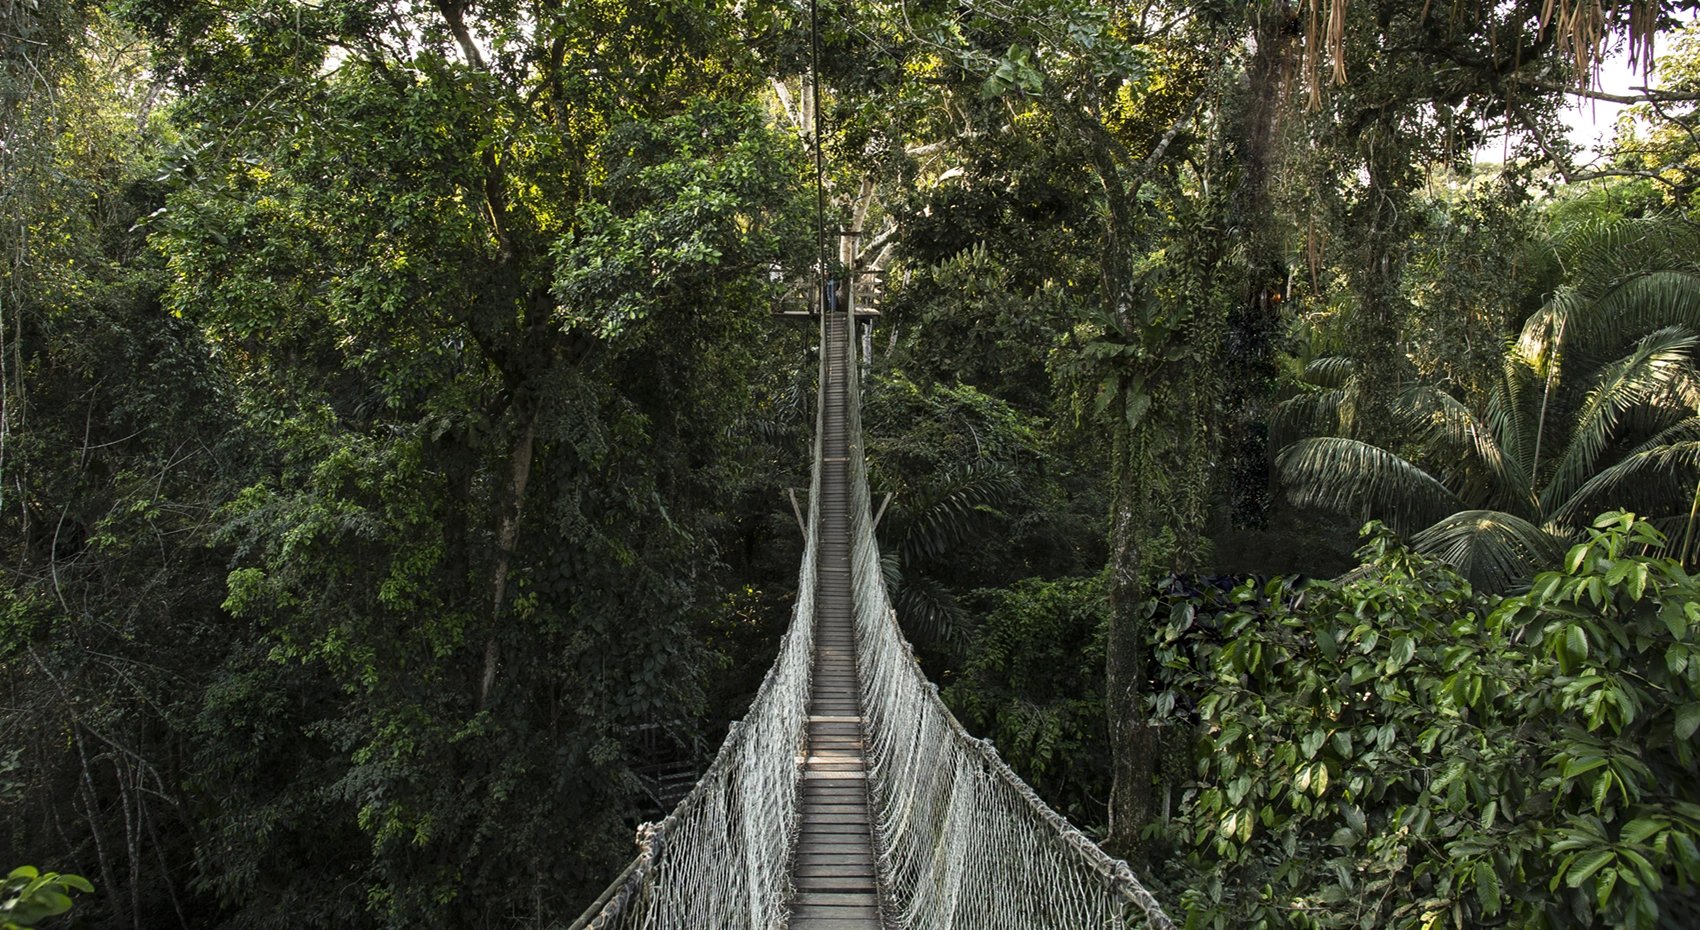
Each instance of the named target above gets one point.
<point>836,872</point>
<point>833,873</point>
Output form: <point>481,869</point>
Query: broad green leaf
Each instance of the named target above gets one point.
<point>78,882</point>
<point>1581,765</point>
<point>1637,831</point>
<point>1313,741</point>
<point>1487,887</point>
<point>1326,642</point>
<point>1343,743</point>
<point>1107,392</point>
<point>1403,649</point>
<point>1607,882</point>
<point>1585,867</point>
<point>1138,402</point>
<point>1573,560</point>
<point>1427,739</point>
<point>1687,720</point>
<point>1602,791</point>
<point>1576,642</point>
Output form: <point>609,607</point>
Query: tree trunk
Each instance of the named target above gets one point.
<point>1382,223</point>
<point>1131,743</point>
<point>1255,322</point>
<point>507,535</point>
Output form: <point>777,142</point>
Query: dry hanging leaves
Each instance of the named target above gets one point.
<point>1582,27</point>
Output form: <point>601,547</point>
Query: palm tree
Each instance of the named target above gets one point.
<point>1595,407</point>
<point>920,530</point>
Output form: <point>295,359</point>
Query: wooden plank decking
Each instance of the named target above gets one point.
<point>834,869</point>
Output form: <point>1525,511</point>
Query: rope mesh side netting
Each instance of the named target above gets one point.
<point>962,841</point>
<point>722,858</point>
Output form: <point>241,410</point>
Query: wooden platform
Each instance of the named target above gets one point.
<point>834,870</point>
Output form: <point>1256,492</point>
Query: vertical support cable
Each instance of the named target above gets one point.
<point>820,170</point>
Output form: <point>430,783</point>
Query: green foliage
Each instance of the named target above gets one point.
<point>392,430</point>
<point>27,896</point>
<point>1397,751</point>
<point>1477,269</point>
<point>981,492</point>
<point>1655,145</point>
<point>257,475</point>
<point>1033,681</point>
<point>1593,407</point>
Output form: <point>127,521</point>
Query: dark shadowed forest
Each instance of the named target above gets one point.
<point>1289,433</point>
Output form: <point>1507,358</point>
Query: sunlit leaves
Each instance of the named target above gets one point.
<point>687,201</point>
<point>28,895</point>
<point>1532,757</point>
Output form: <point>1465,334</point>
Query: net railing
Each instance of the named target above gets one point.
<point>962,842</point>
<point>722,858</point>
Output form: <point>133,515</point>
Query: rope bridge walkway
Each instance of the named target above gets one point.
<point>849,798</point>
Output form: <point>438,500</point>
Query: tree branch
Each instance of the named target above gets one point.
<point>1650,96</point>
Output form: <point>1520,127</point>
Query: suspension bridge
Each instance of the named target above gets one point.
<point>849,797</point>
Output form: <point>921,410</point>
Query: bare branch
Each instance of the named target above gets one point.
<point>1647,96</point>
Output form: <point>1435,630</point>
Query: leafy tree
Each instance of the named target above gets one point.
<point>1033,682</point>
<point>1187,162</point>
<point>1397,751</point>
<point>115,451</point>
<point>382,504</point>
<point>958,465</point>
<point>1655,140</point>
<point>1568,427</point>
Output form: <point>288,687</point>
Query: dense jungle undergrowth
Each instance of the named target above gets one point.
<point>1293,440</point>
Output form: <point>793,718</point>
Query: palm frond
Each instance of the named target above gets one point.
<point>1625,278</point>
<point>1641,303</point>
<point>1352,477</point>
<point>1513,414</point>
<point>1659,359</point>
<point>1599,253</point>
<point>1656,478</point>
<point>1465,450</point>
<point>929,613</point>
<point>1656,414</point>
<point>947,509</point>
<point>1317,412</point>
<point>1493,549</point>
<point>1680,544</point>
<point>1538,344</point>
<point>1331,371</point>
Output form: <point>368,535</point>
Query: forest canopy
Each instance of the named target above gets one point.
<point>1289,439</point>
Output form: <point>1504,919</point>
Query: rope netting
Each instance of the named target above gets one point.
<point>722,858</point>
<point>962,841</point>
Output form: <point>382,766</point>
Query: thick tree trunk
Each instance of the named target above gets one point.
<point>1382,224</point>
<point>507,536</point>
<point>1131,740</point>
<point>1256,320</point>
